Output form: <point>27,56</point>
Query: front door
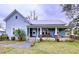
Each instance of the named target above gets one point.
<point>34,32</point>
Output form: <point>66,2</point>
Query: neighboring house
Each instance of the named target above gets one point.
<point>34,28</point>
<point>2,31</point>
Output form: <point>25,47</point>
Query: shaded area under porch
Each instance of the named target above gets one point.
<point>45,32</point>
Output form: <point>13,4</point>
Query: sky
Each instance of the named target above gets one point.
<point>43,11</point>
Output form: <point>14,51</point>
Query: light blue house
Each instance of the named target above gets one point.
<point>34,28</point>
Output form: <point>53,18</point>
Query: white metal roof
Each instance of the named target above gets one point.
<point>45,22</point>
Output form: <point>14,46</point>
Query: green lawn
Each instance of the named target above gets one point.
<point>46,47</point>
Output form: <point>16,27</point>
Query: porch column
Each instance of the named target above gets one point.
<point>27,37</point>
<point>37,32</point>
<point>56,31</point>
<point>40,34</point>
<point>56,35</point>
<point>40,31</point>
<point>72,34</point>
<point>29,31</point>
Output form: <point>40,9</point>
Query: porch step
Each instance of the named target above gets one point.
<point>48,38</point>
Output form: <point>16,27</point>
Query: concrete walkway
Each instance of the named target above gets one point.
<point>25,45</point>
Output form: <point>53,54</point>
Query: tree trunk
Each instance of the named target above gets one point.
<point>20,38</point>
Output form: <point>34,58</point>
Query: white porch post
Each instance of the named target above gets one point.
<point>56,31</point>
<point>29,31</point>
<point>72,33</point>
<point>40,31</point>
<point>37,33</point>
<point>56,35</point>
<point>37,38</point>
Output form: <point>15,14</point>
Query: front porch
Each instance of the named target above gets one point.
<point>45,33</point>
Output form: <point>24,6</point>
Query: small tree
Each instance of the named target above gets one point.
<point>20,34</point>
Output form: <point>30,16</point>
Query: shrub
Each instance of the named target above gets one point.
<point>0,38</point>
<point>20,34</point>
<point>76,32</point>
<point>12,38</point>
<point>77,37</point>
<point>4,37</point>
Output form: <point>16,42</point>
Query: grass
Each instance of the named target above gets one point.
<point>45,47</point>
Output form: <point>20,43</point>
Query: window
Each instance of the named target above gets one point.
<point>13,30</point>
<point>43,33</point>
<point>46,32</point>
<point>16,17</point>
<point>33,32</point>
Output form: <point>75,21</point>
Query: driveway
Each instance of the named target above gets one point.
<point>25,45</point>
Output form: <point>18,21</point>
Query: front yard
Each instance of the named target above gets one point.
<point>45,47</point>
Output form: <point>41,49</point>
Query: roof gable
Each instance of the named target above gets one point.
<point>12,13</point>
